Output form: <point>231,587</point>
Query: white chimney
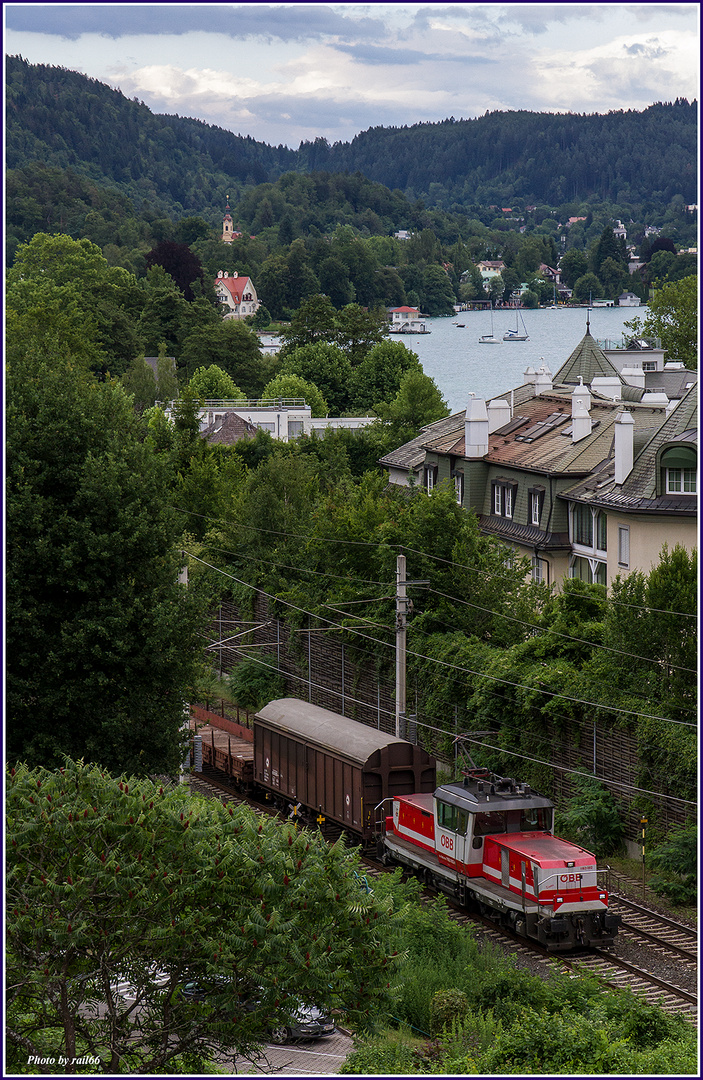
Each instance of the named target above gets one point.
<point>476,428</point>
<point>608,385</point>
<point>498,414</point>
<point>655,397</point>
<point>633,375</point>
<point>530,375</point>
<point>543,379</point>
<point>624,446</point>
<point>581,423</point>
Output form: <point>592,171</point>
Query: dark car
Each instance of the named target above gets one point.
<point>306,1022</point>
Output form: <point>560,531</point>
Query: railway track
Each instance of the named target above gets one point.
<point>660,932</point>
<point>618,973</point>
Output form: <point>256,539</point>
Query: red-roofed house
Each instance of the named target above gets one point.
<point>236,294</point>
<point>407,320</point>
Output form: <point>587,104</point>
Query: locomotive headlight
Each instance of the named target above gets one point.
<point>601,896</point>
<point>571,864</point>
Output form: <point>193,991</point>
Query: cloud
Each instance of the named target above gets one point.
<point>641,67</point>
<point>379,54</point>
<point>285,22</point>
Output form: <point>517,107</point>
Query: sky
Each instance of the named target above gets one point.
<point>284,73</point>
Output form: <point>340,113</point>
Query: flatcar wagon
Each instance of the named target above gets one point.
<point>490,842</point>
<point>327,764</point>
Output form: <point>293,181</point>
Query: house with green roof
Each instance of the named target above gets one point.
<point>525,463</point>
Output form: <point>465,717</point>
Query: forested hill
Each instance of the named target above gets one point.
<point>64,119</point>
<point>621,157</point>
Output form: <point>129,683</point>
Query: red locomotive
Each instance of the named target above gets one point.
<point>490,841</point>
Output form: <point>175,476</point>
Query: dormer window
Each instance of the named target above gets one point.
<point>679,471</point>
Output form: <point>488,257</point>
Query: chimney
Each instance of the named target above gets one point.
<point>498,414</point>
<point>475,428</point>
<point>543,379</point>
<point>581,423</point>
<point>530,375</point>
<point>624,446</point>
<point>633,374</point>
<point>608,385</point>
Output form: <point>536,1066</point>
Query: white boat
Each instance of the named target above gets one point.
<point>516,335</point>
<point>489,339</point>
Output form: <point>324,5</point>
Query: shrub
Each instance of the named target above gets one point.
<point>592,817</point>
<point>446,1007</point>
<point>253,686</point>
<point>676,861</point>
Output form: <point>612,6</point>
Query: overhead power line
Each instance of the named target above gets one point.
<point>444,663</point>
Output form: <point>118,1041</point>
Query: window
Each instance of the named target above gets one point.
<point>504,498</point>
<point>534,508</point>
<point>451,817</point>
<point>601,531</point>
<point>582,519</point>
<point>486,823</point>
<point>536,819</point>
<point>680,481</point>
<point>624,545</point>
<point>540,570</point>
<point>679,464</point>
<point>295,428</point>
<point>591,570</point>
<point>458,478</point>
<point>430,477</point>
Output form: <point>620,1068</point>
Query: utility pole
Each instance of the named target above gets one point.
<point>401,622</point>
<point>403,607</point>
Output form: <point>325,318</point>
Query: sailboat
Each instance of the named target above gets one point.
<point>489,339</point>
<point>515,335</point>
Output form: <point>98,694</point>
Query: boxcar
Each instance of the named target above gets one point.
<point>333,766</point>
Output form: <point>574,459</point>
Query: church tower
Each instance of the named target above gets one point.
<point>227,227</point>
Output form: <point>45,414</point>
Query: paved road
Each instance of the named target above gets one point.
<point>323,1057</point>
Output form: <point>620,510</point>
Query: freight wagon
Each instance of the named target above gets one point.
<point>325,764</point>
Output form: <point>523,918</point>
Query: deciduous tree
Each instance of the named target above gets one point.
<point>119,893</point>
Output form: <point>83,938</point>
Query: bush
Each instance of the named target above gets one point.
<point>676,861</point>
<point>253,685</point>
<point>592,817</point>
<point>446,1007</point>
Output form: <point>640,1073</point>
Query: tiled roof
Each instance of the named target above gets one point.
<point>231,430</point>
<point>412,454</point>
<point>237,286</point>
<point>587,361</point>
<point>672,381</point>
<point>639,490</point>
<point>506,529</point>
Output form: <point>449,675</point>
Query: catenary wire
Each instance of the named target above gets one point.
<point>444,663</point>
<point>453,599</point>
<point>476,742</point>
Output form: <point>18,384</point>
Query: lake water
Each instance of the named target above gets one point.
<point>453,357</point>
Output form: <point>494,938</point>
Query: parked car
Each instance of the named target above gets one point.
<point>307,1021</point>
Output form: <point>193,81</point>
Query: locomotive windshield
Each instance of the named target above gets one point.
<point>536,819</point>
<point>486,823</point>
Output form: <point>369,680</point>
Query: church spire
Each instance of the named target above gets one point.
<point>227,228</point>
